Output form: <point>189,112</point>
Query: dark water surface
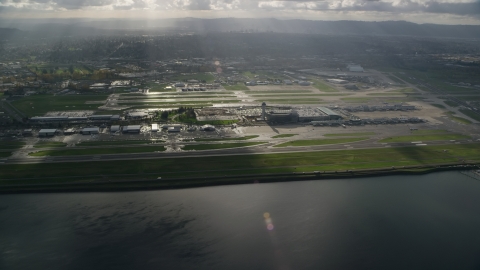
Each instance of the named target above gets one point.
<point>395,222</point>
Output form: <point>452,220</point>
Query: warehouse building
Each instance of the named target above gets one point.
<point>47,132</point>
<point>207,128</point>
<point>132,129</point>
<point>174,129</point>
<point>114,128</point>
<point>90,130</point>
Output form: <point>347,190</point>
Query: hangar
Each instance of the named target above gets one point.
<point>90,130</point>
<point>47,132</point>
<point>132,129</point>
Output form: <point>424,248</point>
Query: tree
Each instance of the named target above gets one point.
<point>164,115</point>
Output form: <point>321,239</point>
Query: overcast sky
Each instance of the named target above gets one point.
<point>421,11</point>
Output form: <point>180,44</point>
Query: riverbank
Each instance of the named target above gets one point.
<point>180,183</point>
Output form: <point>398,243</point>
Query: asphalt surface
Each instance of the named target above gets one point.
<point>252,150</point>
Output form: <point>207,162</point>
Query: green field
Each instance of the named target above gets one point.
<point>429,131</point>
<point>319,142</point>
<point>126,142</point>
<point>470,114</point>
<point>458,119</point>
<point>5,154</point>
<point>238,165</point>
<point>237,87</point>
<point>194,76</point>
<point>279,92</point>
<point>98,151</point>
<point>451,103</point>
<point>440,106</point>
<point>386,94</point>
<point>405,91</point>
<point>292,101</point>
<point>283,136</point>
<point>227,139</point>
<point>349,134</point>
<point>11,145</point>
<point>199,147</point>
<point>176,103</point>
<point>357,99</point>
<point>432,137</point>
<point>40,104</point>
<point>49,144</point>
<point>323,87</point>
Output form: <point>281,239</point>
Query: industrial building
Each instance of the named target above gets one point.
<point>355,68</point>
<point>132,129</point>
<point>174,129</point>
<point>90,130</point>
<point>207,128</point>
<point>115,128</point>
<point>47,132</point>
<point>166,127</point>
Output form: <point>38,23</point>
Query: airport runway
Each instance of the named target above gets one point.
<point>252,150</point>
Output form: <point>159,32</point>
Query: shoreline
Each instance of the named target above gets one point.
<point>181,183</point>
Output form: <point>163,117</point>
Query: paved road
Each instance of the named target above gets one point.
<point>259,149</point>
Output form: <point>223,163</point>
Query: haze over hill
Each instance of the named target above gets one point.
<point>79,27</point>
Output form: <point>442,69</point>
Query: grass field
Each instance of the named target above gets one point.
<point>199,147</point>
<point>431,137</point>
<point>357,99</point>
<point>236,87</point>
<point>292,101</point>
<point>98,151</point>
<point>319,142</point>
<point>429,131</point>
<point>470,114</point>
<point>458,119</point>
<point>386,94</point>
<point>323,86</point>
<point>404,91</point>
<point>283,136</point>
<point>238,165</point>
<point>349,134</point>
<point>440,106</point>
<point>126,142</point>
<point>49,144</point>
<point>227,139</point>
<point>279,92</point>
<point>176,103</point>
<point>451,103</point>
<point>7,145</point>
<point>194,76</point>
<point>40,104</point>
<point>5,154</point>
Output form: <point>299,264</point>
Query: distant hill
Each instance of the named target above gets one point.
<point>114,26</point>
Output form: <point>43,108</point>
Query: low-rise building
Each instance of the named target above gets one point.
<point>132,129</point>
<point>47,132</point>
<point>90,130</point>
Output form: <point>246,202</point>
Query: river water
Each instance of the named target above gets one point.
<point>395,222</point>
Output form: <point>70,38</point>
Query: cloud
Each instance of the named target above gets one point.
<point>453,7</point>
